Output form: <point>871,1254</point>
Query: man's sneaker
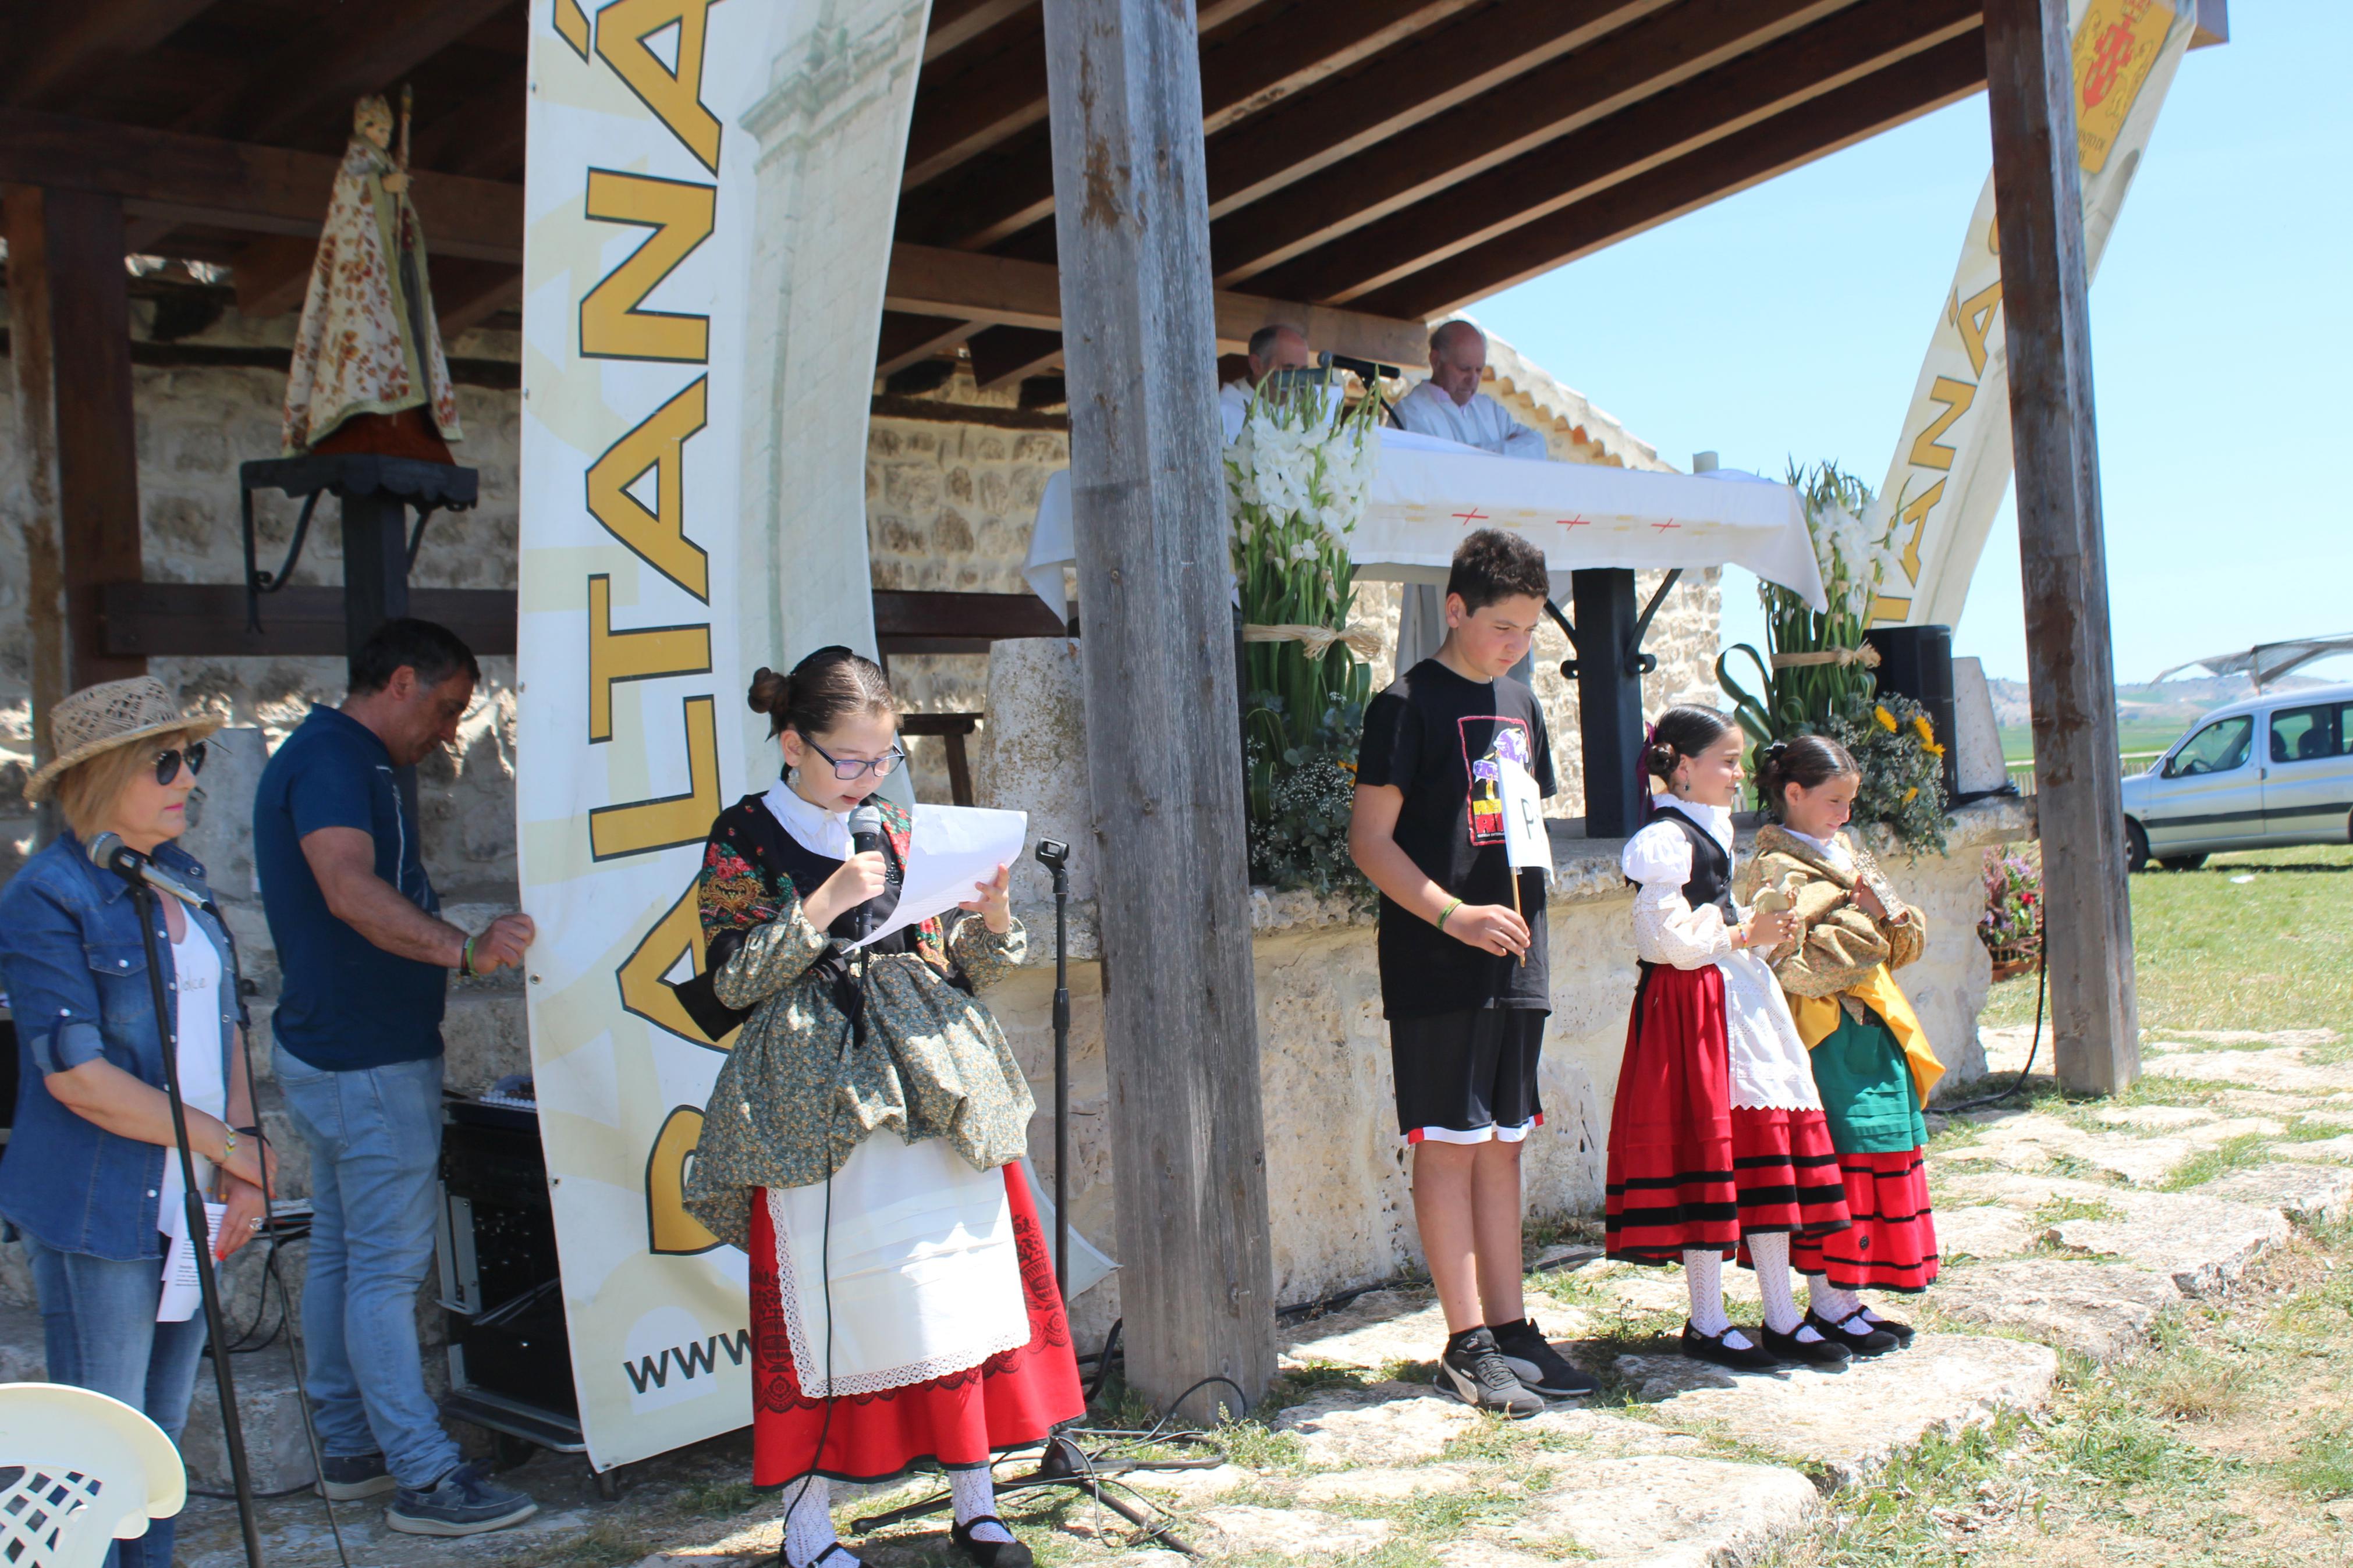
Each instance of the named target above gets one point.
<point>463,1503</point>
<point>1538,1366</point>
<point>1479,1375</point>
<point>348,1480</point>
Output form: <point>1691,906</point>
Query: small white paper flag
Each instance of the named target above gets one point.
<point>1526,841</point>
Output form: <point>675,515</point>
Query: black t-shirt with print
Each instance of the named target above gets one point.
<point>1436,736</point>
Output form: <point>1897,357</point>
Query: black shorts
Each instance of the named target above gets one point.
<point>1468,1077</point>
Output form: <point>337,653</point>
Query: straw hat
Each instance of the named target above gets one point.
<point>114,713</point>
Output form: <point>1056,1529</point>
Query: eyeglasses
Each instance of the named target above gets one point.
<point>845,769</point>
<point>167,762</point>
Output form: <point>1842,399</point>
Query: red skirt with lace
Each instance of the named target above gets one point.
<point>1013,1397</point>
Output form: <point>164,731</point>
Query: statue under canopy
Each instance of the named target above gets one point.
<point>368,373</point>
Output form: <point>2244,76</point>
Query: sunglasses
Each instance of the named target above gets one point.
<point>167,762</point>
<point>854,767</point>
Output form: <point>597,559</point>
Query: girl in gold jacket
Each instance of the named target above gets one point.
<point>1871,1062</point>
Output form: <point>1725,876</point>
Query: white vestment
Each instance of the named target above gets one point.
<point>1483,423</point>
<point>1233,407</point>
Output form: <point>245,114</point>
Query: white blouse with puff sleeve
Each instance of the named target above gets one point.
<point>1769,1067</point>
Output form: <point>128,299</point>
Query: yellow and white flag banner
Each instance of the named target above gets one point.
<point>1952,463</point>
<point>708,203</point>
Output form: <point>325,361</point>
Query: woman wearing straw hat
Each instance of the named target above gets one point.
<point>91,1178</point>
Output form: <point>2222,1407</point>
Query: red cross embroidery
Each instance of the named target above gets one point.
<point>1663,526</point>
<point>1573,523</point>
<point>1467,518</point>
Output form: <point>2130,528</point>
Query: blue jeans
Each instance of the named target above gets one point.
<point>375,1152</point>
<point>99,1317</point>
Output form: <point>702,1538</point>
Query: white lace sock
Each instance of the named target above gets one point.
<point>974,1493</point>
<point>808,1525</point>
<point>1829,1303</point>
<point>1868,1315</point>
<point>1772,1253</point>
<point>1703,1272</point>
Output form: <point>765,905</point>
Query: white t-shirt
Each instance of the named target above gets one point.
<point>196,979</point>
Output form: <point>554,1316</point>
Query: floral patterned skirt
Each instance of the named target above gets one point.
<point>1013,1397</point>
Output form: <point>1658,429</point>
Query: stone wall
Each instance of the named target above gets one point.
<point>1337,1173</point>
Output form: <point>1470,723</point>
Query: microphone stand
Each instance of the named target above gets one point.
<point>199,1232</point>
<point>1056,858</point>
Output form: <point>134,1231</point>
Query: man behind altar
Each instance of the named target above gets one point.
<point>1278,346</point>
<point>1450,404</point>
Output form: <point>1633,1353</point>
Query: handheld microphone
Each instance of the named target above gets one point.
<point>108,851</point>
<point>865,839</point>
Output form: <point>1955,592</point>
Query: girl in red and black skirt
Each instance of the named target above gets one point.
<point>862,1141</point>
<point>1718,1144</point>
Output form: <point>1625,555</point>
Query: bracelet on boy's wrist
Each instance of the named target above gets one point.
<point>1447,910</point>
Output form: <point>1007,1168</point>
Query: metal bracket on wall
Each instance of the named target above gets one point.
<point>1633,660</point>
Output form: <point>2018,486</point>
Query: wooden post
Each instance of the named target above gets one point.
<point>2087,917</point>
<point>1180,1018</point>
<point>69,344</point>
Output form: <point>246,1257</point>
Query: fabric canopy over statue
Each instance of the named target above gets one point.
<point>368,373</point>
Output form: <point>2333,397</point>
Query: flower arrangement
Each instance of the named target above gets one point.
<point>1295,488</point>
<point>1816,673</point>
<point>1903,769</point>
<point>2012,925</point>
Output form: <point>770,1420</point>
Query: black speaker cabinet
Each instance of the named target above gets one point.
<point>510,1357</point>
<point>1917,662</point>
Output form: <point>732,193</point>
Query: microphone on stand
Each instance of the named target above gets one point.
<point>108,851</point>
<point>865,839</point>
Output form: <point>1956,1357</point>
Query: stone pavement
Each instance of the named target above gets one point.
<point>2065,1228</point>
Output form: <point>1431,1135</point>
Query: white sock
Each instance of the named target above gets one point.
<point>1829,1303</point>
<point>1770,1252</point>
<point>1868,1315</point>
<point>1703,1272</point>
<point>974,1494</point>
<point>808,1523</point>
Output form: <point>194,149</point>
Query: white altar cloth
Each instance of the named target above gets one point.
<point>1427,493</point>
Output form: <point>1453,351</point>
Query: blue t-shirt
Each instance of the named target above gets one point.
<point>343,1002</point>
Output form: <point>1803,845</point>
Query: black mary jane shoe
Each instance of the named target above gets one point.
<point>1856,1334</point>
<point>824,1559</point>
<point>1900,1333</point>
<point>992,1554</point>
<point>1711,1348</point>
<point>1825,1352</point>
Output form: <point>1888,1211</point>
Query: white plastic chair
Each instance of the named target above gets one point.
<point>95,1471</point>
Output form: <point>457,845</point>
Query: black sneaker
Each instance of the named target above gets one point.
<point>1477,1374</point>
<point>348,1480</point>
<point>1817,1352</point>
<point>1746,1356</point>
<point>1856,1334</point>
<point>463,1503</point>
<point>1538,1366</point>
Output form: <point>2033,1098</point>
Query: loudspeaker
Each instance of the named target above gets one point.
<point>1917,662</point>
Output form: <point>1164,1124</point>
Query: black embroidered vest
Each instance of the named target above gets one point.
<point>1711,877</point>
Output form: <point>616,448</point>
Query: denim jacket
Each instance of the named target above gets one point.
<point>76,974</point>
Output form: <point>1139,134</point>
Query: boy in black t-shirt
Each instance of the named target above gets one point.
<point>1464,981</point>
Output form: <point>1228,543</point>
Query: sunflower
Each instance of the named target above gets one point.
<point>1927,735</point>
<point>1886,719</point>
<point>1933,749</point>
<point>1910,795</point>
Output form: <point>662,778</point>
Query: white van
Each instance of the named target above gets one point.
<point>2273,770</point>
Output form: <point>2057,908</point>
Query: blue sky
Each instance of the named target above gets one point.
<point>1791,320</point>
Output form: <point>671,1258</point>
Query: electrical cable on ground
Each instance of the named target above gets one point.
<point>2041,978</point>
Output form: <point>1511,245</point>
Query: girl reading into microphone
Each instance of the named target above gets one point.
<point>861,1143</point>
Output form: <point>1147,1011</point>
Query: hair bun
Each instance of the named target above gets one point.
<point>771,693</point>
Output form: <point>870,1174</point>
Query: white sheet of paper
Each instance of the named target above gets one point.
<point>181,1289</point>
<point>955,847</point>
<point>1526,841</point>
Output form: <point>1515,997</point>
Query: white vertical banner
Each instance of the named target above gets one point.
<point>708,204</point>
<point>1952,462</point>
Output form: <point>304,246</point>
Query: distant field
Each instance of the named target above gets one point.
<point>2018,742</point>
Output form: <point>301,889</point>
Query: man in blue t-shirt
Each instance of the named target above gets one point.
<point>365,959</point>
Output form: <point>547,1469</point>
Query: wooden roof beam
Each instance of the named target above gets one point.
<point>349,50</point>
<point>955,22</point>
<point>908,340</point>
<point>1005,292</point>
<point>62,45</point>
<point>1946,74</point>
<point>272,274</point>
<point>170,175</point>
<point>1725,103</point>
<point>467,293</point>
<point>1005,356</point>
<point>1241,74</point>
<point>1574,91</point>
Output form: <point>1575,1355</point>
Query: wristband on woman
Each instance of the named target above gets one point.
<point>1448,909</point>
<point>228,1145</point>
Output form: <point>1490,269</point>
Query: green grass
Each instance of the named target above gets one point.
<point>2276,953</point>
<point>2246,1149</point>
<point>2018,741</point>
